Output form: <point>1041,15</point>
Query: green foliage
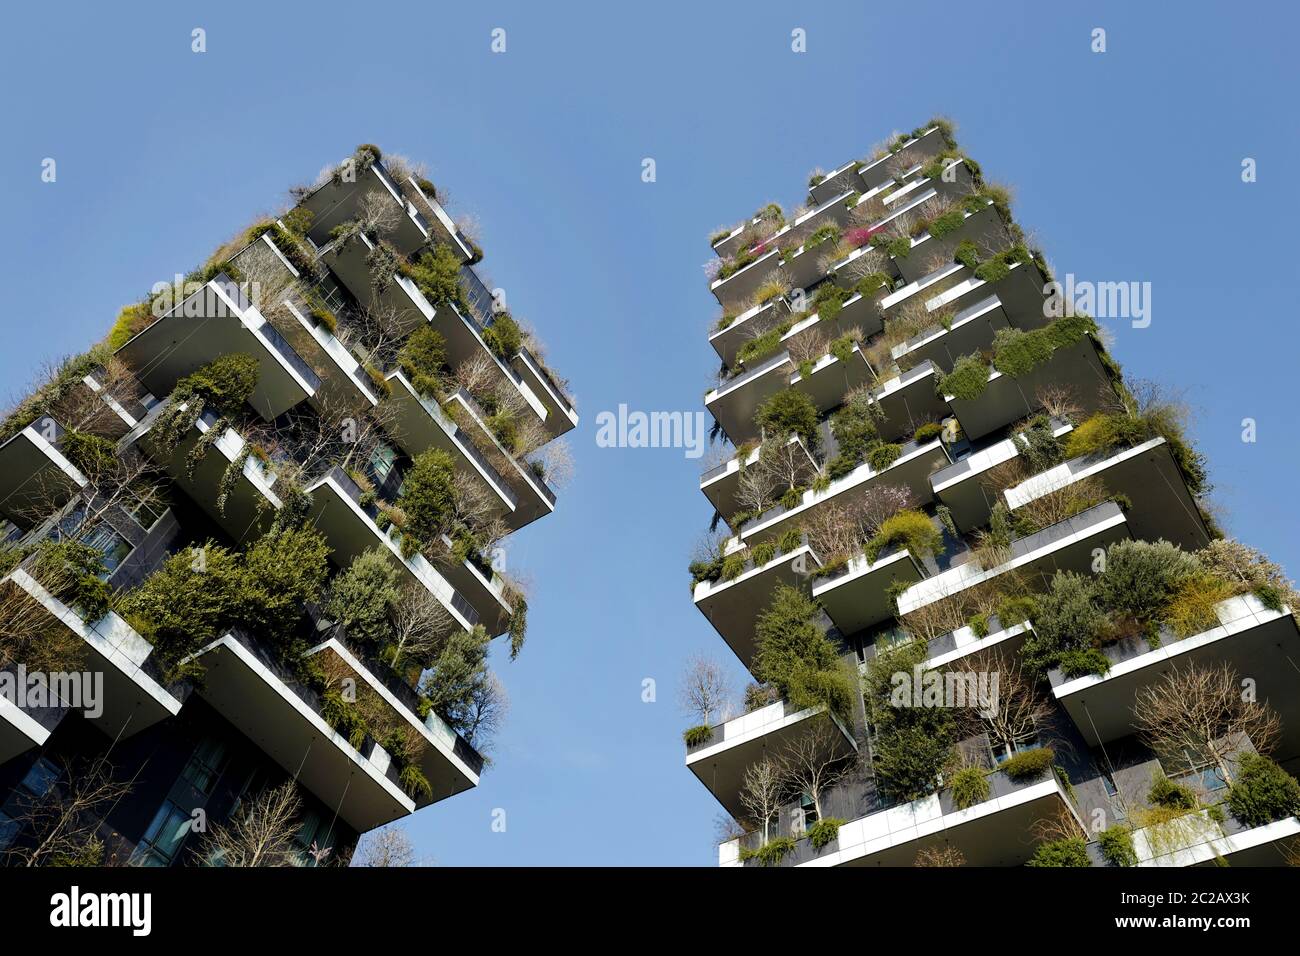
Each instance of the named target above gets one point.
<point>131,320</point>
<point>1039,446</point>
<point>436,274</point>
<point>761,346</point>
<point>518,628</point>
<point>225,383</point>
<point>1067,851</point>
<point>912,745</point>
<point>979,625</point>
<point>824,831</point>
<point>283,570</point>
<point>770,853</point>
<point>966,381</point>
<point>909,529</point>
<point>73,572</point>
<point>362,598</point>
<point>946,223</point>
<point>871,283</point>
<point>1262,791</point>
<point>504,336</point>
<point>733,565</point>
<point>456,677</point>
<point>1169,795</point>
<point>883,455</point>
<point>795,655</point>
<point>789,412</point>
<point>1016,352</point>
<point>828,300</point>
<point>695,736</point>
<point>1028,764</point>
<point>1081,662</point>
<point>927,432</point>
<point>1103,432</point>
<point>970,786</point>
<point>90,454</point>
<point>1116,844</point>
<point>967,253</point>
<point>763,553</point>
<point>423,358</point>
<point>428,497</point>
<point>791,539</point>
<point>1067,618</point>
<point>414,782</point>
<point>1141,577</point>
<point>854,427</point>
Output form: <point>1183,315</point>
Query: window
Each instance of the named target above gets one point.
<point>110,544</point>
<point>314,830</point>
<point>1205,780</point>
<point>809,808</point>
<point>382,460</point>
<point>145,511</point>
<point>41,779</point>
<point>164,837</point>
<point>9,828</point>
<point>1002,752</point>
<point>205,765</point>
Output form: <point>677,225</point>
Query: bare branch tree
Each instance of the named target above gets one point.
<point>1017,711</point>
<point>420,625</point>
<point>261,833</point>
<point>390,846</point>
<point>811,764</point>
<point>940,855</point>
<point>61,827</point>
<point>705,691</point>
<point>761,790</point>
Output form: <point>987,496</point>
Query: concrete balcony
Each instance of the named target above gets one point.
<point>1077,369</point>
<point>533,496</point>
<point>345,384</point>
<point>214,321</point>
<point>561,416</point>
<point>907,400</point>
<point>954,182</point>
<point>419,423</point>
<point>441,224</point>
<point>727,342</point>
<point>133,697</point>
<point>961,485</point>
<point>350,529</point>
<point>877,172</point>
<point>337,203</point>
<point>1201,841</point>
<point>733,606</point>
<point>721,484</point>
<point>480,586</point>
<point>243,508</point>
<point>1146,474</point>
<point>1254,640</point>
<point>859,596</point>
<point>948,649</point>
<point>24,725</point>
<point>283,719</point>
<point>841,180</point>
<point>739,288</point>
<point>984,228</point>
<point>911,470</point>
<point>833,212</point>
<point>449,764</point>
<point>970,330</point>
<point>36,479</point>
<point>994,832</point>
<point>1065,546</point>
<point>1020,291</point>
<point>737,744</point>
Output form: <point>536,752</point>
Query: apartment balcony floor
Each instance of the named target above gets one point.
<point>721,484</point>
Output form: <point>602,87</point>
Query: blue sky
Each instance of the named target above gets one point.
<point>1125,165</point>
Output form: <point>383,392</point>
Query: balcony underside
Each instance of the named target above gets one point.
<point>35,478</point>
<point>859,596</point>
<point>908,401</point>
<point>336,203</point>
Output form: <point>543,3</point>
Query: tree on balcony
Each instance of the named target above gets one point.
<point>261,833</point>
<point>795,655</point>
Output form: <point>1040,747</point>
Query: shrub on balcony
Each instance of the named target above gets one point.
<point>1116,844</point>
<point>71,571</point>
<point>872,283</point>
<point>970,786</point>
<point>824,831</point>
<point>429,498</point>
<point>795,656</point>
<point>1082,662</point>
<point>436,274</point>
<point>770,853</point>
<point>1067,851</point>
<point>455,678</point>
<point>733,565</point>
<point>423,359</point>
<point>1067,618</point>
<point>966,381</point>
<point>1013,610</point>
<point>1141,577</point>
<point>362,597</point>
<point>789,412</point>
<point>828,300</point>
<point>1168,795</point>
<point>90,454</point>
<point>761,346</point>
<point>927,432</point>
<point>883,455</point>
<point>695,736</point>
<point>130,320</point>
<point>504,336</point>
<point>908,529</point>
<point>1192,608</point>
<point>1028,764</point>
<point>912,746</point>
<point>282,570</point>
<point>1262,791</point>
<point>224,383</point>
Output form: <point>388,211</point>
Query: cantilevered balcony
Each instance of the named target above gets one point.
<point>35,477</point>
<point>1020,291</point>
<point>737,744</point>
<point>962,486</point>
<point>480,586</point>
<point>561,416</point>
<point>336,203</point>
<point>953,182</point>
<point>419,423</point>
<point>994,832</point>
<point>214,321</point>
<point>533,496</point>
<point>907,400</point>
<point>133,698</point>
<point>283,719</point>
<point>345,384</point>
<point>1146,475</point>
<point>721,484</point>
<point>838,181</point>
<point>860,595</point>
<point>729,340</point>
<point>732,606</point>
<point>738,289</point>
<point>833,212</point>
<point>1199,840</point>
<point>1076,370</point>
<point>947,649</point>
<point>243,507</point>
<point>1065,546</point>
<point>735,402</point>
<point>878,172</point>
<point>1254,640</point>
<point>970,330</point>
<point>446,760</point>
<point>441,224</point>
<point>984,228</point>
<point>910,470</point>
<point>350,529</point>
<point>23,724</point>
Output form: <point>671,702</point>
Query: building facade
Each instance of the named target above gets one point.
<point>252,558</point>
<point>971,571</point>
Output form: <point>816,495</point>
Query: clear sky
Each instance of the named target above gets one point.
<point>1126,166</point>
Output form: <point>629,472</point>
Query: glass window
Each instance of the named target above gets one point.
<point>314,830</point>
<point>110,544</point>
<point>164,837</point>
<point>1204,780</point>
<point>41,779</point>
<point>809,809</point>
<point>9,828</point>
<point>205,764</point>
<point>145,511</point>
<point>382,460</point>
